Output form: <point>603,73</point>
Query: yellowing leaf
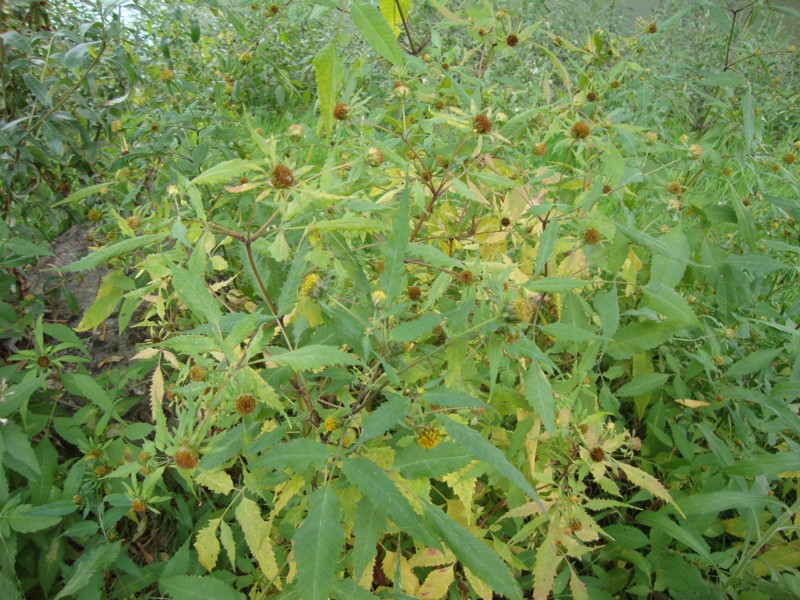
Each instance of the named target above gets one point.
<point>285,492</point>
<point>431,557</point>
<point>484,591</point>
<point>256,534</point>
<point>577,587</point>
<point>156,392</point>
<point>207,545</point>
<point>392,15</point>
<point>408,580</point>
<point>226,537</point>
<point>647,482</point>
<point>217,481</point>
<point>436,584</point>
<point>547,561</point>
<point>464,488</point>
<point>688,403</point>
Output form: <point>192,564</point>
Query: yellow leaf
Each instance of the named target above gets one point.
<point>463,487</point>
<point>408,580</point>
<point>217,481</point>
<point>146,353</point>
<point>392,15</point>
<point>484,591</point>
<point>577,587</point>
<point>207,545</point>
<point>431,557</point>
<point>285,492</point>
<point>436,584</point>
<point>256,534</point>
<point>156,392</point>
<point>688,403</point>
<point>547,561</point>
<point>226,536</point>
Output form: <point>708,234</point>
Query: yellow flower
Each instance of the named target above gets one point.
<point>312,286</point>
<point>331,424</point>
<point>428,437</point>
<point>378,298</point>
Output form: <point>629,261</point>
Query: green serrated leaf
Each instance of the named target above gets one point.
<point>377,32</point>
<point>643,384</point>
<point>547,242</point>
<point>191,289</point>
<point>311,357</point>
<point>367,531</point>
<point>638,337</point>
<point>414,461</point>
<point>318,543</point>
<point>393,276</point>
<point>539,394</point>
<point>203,587</point>
<point>474,554</point>
<point>485,452</point>
<point>91,562</point>
<point>376,486</point>
<point>753,363</point>
<point>383,418</point>
<point>95,259</point>
<point>299,455</point>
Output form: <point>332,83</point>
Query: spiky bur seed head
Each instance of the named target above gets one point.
<point>402,91</point>
<point>331,424</point>
<point>519,310</point>
<point>295,132</point>
<point>414,293</point>
<point>466,277</point>
<point>245,404</point>
<point>273,9</point>
<point>116,125</point>
<point>185,458</point>
<point>374,157</point>
<point>505,222</point>
<point>512,40</point>
<point>557,40</point>
<point>43,362</point>
<point>591,236</point>
<point>540,149</point>
<point>674,188</point>
<point>695,151</point>
<point>616,84</point>
<point>378,298</point>
<point>138,505</point>
<point>282,177</point>
<point>245,57</point>
<point>607,189</point>
<point>93,215</point>
<point>428,437</point>
<point>312,286</point>
<point>598,454</point>
<point>166,75</point>
<point>482,123</point>
<point>501,14</point>
<point>581,130</point>
<point>789,158</point>
<point>652,28</point>
<point>340,111</point>
<point>591,97</point>
<point>501,117</point>
<point>727,171</point>
<point>198,373</point>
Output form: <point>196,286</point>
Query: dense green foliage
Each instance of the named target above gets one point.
<point>429,299</point>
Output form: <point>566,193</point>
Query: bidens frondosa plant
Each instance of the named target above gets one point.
<point>429,301</point>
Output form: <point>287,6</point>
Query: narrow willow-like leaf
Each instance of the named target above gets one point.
<point>377,32</point>
<point>314,356</point>
<point>484,451</point>
<point>385,417</point>
<point>329,73</point>
<point>474,554</point>
<point>367,531</point>
<point>191,289</point>
<point>393,276</point>
<point>539,394</point>
<point>318,543</point>
<point>204,587</point>
<point>256,533</point>
<point>95,259</point>
<point>374,484</point>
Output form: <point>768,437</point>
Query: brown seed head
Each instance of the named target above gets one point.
<point>505,222</point>
<point>652,28</point>
<point>466,277</point>
<point>282,177</point>
<point>540,149</point>
<point>185,458</point>
<point>374,157</point>
<point>575,526</point>
<point>198,373</point>
<point>607,189</point>
<point>591,96</point>
<point>598,455</point>
<point>138,505</point>
<point>482,123</point>
<point>93,215</point>
<point>616,83</point>
<point>340,111</point>
<point>43,361</point>
<point>414,292</point>
<point>512,40</point>
<point>245,404</point>
<point>581,130</point>
<point>674,188</point>
<point>591,236</point>
<point>789,158</point>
